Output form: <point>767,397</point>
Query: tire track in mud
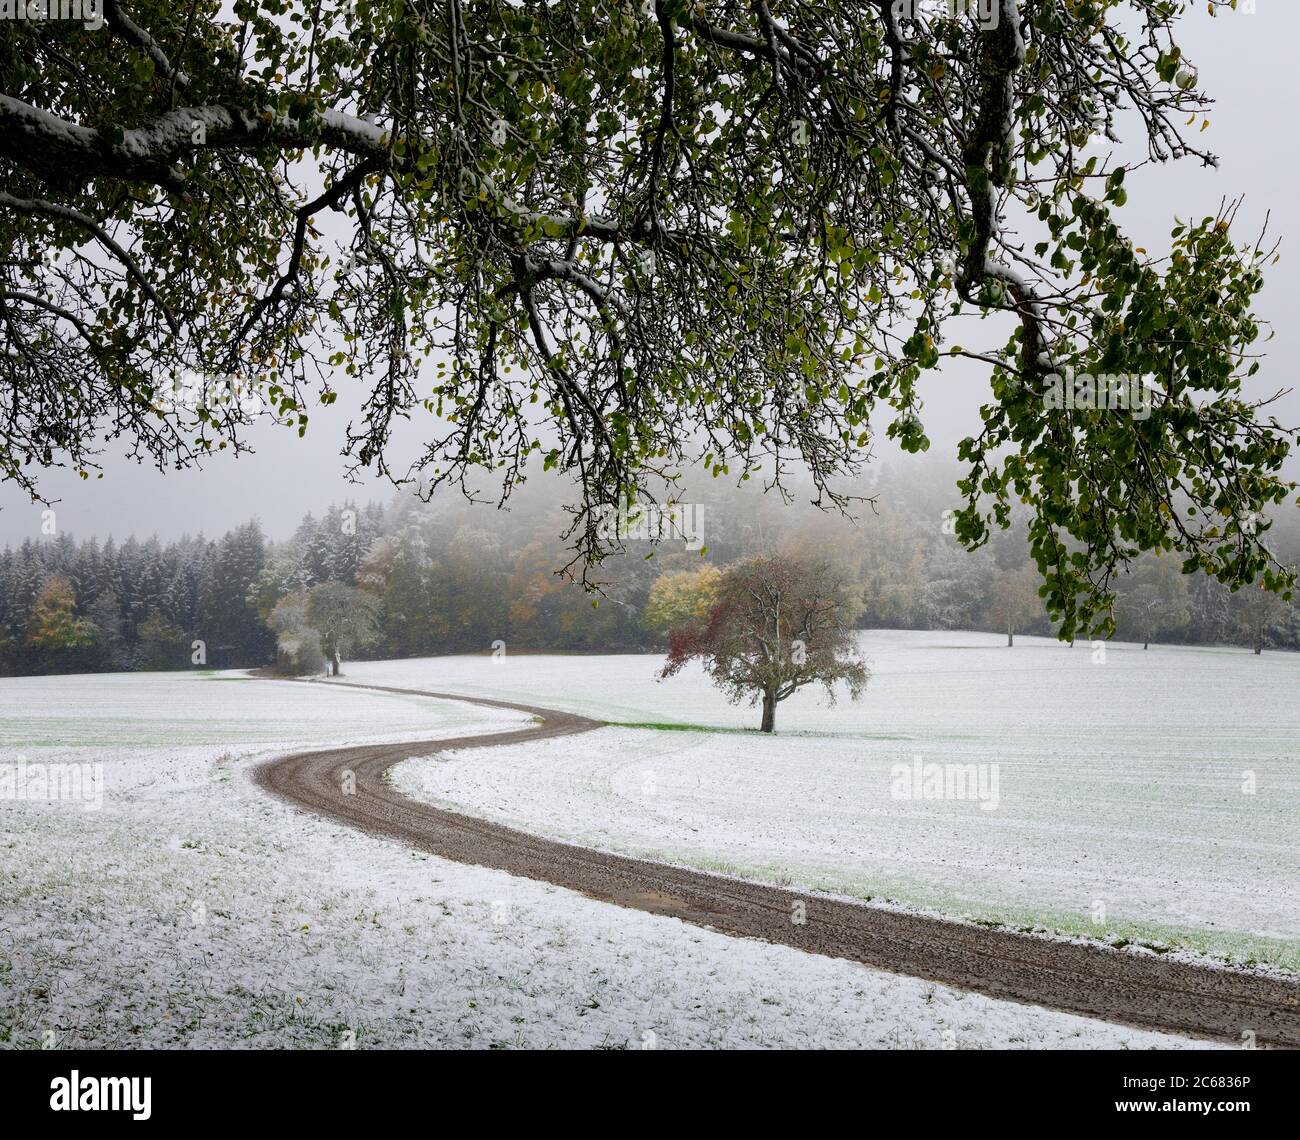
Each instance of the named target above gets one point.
<point>1148,991</point>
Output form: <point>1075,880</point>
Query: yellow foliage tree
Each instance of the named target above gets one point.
<point>686,595</point>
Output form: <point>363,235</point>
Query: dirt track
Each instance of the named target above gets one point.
<point>1134,989</point>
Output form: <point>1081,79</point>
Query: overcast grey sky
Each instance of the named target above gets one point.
<point>1245,60</point>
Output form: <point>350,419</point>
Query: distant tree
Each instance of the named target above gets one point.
<point>1015,600</point>
<point>346,618</point>
<point>778,624</point>
<point>1155,600</point>
<point>536,594</point>
<point>401,573</point>
<point>1257,611</point>
<point>313,552</point>
<point>281,574</point>
<point>53,625</point>
<point>956,587</point>
<point>106,617</point>
<point>161,644</point>
<point>298,645</point>
<point>890,562</point>
<point>373,573</point>
<point>1213,621</point>
<point>681,597</point>
<point>351,530</point>
<point>472,573</point>
<point>547,609</point>
<point>226,616</point>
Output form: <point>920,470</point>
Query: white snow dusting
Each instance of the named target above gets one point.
<point>195,910</point>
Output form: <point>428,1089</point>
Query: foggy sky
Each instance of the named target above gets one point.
<point>1245,61</point>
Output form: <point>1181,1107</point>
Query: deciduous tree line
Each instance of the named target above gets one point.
<point>413,578</point>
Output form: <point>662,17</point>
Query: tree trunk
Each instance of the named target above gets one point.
<point>1146,645</point>
<point>769,712</point>
<point>1259,642</point>
<point>1011,636</point>
<point>335,663</point>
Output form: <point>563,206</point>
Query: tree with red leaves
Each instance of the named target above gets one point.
<point>779,623</point>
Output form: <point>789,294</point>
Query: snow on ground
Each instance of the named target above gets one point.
<point>192,909</point>
<point>1123,805</point>
<point>219,708</point>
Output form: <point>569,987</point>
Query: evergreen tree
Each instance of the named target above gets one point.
<point>110,642</point>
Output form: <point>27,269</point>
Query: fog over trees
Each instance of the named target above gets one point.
<point>451,577</point>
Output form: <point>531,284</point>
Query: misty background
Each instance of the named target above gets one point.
<point>412,579</point>
<point>1245,60</point>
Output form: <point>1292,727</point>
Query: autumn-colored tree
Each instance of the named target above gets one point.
<point>533,588</point>
<point>778,624</point>
<point>681,597</point>
<point>54,624</point>
<point>547,608</point>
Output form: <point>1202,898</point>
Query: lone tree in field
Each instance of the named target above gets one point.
<point>1015,600</point>
<point>1155,600</point>
<point>1257,611</point>
<point>621,236</point>
<point>347,619</point>
<point>778,624</point>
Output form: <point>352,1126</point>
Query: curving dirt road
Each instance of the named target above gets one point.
<point>1135,989</point>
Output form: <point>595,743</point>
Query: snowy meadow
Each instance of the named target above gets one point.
<point>1148,797</point>
<point>188,908</point>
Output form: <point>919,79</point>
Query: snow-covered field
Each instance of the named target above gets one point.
<point>1149,796</point>
<point>191,909</point>
<point>220,709</point>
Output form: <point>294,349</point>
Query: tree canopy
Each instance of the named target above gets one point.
<point>777,624</point>
<point>619,236</point>
<point>346,619</point>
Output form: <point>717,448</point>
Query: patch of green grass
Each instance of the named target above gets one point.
<point>1229,946</point>
<point>1226,946</point>
<point>668,727</point>
<point>665,726</point>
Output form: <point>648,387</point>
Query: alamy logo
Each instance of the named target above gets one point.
<point>75,1093</point>
<point>921,781</point>
<point>984,12</point>
<point>53,783</point>
<point>188,392</point>
<point>1103,392</point>
<point>655,524</point>
<point>89,12</point>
